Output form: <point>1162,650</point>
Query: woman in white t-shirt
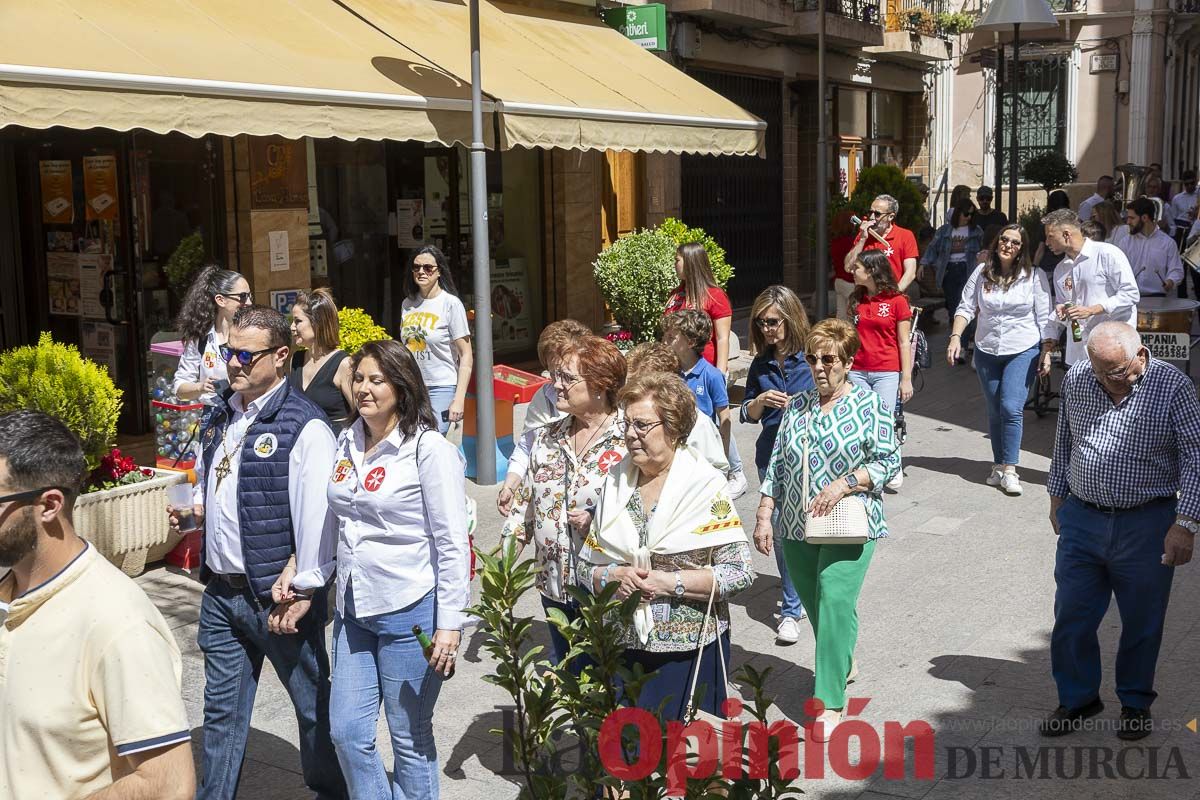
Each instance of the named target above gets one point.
<point>434,328</point>
<point>203,323</point>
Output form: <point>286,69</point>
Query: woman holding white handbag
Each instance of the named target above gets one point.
<point>836,451</point>
<point>666,529</point>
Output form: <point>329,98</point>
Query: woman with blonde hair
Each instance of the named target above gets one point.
<point>1107,215</point>
<point>320,368</point>
<point>778,327</point>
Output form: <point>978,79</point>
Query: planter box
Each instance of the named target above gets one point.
<point>129,523</point>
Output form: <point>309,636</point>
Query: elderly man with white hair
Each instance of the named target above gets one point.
<point>1124,490</point>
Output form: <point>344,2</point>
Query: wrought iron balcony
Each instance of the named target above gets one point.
<point>1187,6</point>
<point>860,10</point>
<point>915,16</point>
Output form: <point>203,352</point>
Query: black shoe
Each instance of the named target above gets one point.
<point>1064,720</point>
<point>1135,724</point>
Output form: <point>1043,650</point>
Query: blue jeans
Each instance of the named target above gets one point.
<point>379,657</point>
<point>1006,381</point>
<point>233,636</point>
<point>790,605</point>
<point>884,384</point>
<point>954,280</point>
<point>440,397</point>
<point>1101,555</point>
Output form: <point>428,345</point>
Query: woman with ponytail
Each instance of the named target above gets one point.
<point>203,322</point>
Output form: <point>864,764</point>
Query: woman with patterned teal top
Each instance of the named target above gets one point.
<point>666,529</point>
<point>852,452</point>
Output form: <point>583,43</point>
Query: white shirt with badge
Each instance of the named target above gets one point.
<point>196,366</point>
<point>314,527</point>
<point>1099,275</point>
<point>403,524</point>
<point>429,328</point>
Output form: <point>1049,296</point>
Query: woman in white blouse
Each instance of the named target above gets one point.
<point>403,559</point>
<point>203,322</point>
<point>1011,302</point>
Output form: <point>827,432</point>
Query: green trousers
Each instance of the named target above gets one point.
<point>828,578</point>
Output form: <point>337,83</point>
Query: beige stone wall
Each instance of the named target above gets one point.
<point>573,184</point>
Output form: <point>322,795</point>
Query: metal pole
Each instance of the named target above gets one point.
<point>1015,113</point>
<point>822,306</point>
<point>485,401</point>
<point>998,133</point>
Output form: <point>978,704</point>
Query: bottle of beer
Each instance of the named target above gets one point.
<point>1076,328</point>
<point>427,647</point>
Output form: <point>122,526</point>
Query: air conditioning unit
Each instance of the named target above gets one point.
<point>686,41</point>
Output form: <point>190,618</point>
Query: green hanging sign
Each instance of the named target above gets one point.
<point>645,26</point>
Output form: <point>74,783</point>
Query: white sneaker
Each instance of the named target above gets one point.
<point>1011,484</point>
<point>895,483</point>
<point>853,676</point>
<point>829,720</point>
<point>996,476</point>
<point>737,486</point>
<point>788,631</point>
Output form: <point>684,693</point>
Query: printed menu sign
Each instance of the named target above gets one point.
<point>58,208</point>
<point>62,278</point>
<point>100,187</point>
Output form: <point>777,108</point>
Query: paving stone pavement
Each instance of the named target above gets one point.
<point>955,619</point>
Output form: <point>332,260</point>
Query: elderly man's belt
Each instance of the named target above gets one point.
<point>1123,509</point>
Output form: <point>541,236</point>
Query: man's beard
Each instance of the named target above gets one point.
<point>20,538</point>
<point>1140,229</point>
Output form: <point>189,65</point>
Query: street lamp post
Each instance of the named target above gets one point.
<point>1001,16</point>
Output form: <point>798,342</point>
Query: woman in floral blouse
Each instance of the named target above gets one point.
<point>567,465</point>
<point>852,452</point>
<point>666,528</point>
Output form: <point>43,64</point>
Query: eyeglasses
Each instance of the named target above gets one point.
<point>428,269</point>
<point>873,214</point>
<point>244,357</point>
<point>827,360</point>
<point>244,298</point>
<point>639,427</point>
<point>1004,240</point>
<point>1121,373</point>
<point>767,323</point>
<point>29,494</point>
<point>566,379</point>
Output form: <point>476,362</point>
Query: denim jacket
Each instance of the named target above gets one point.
<point>938,252</point>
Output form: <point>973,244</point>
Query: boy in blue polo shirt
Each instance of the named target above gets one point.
<point>686,333</point>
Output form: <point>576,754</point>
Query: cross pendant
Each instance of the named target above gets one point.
<point>222,470</point>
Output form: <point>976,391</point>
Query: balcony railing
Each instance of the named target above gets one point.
<point>861,10</point>
<point>1187,6</point>
<point>915,16</point>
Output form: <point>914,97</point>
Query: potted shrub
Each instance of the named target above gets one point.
<point>122,509</point>
<point>1050,170</point>
<point>356,328</point>
<point>954,23</point>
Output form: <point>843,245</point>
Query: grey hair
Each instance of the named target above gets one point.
<point>1113,332</point>
<point>1062,218</point>
<point>893,205</point>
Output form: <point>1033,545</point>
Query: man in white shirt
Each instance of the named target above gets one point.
<point>1183,204</point>
<point>1093,282</point>
<point>1152,254</point>
<point>1104,188</point>
<point>267,453</point>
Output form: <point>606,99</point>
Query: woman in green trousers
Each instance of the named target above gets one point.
<point>852,453</point>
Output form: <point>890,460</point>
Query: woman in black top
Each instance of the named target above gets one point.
<point>321,370</point>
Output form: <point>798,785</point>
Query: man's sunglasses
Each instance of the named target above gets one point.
<point>244,357</point>
<point>29,494</point>
<point>828,361</point>
<point>244,298</point>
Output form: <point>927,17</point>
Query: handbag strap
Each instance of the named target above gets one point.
<point>690,711</point>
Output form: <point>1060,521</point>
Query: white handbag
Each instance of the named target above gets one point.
<point>846,522</point>
<point>691,713</point>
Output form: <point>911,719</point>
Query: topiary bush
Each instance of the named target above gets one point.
<point>356,328</point>
<point>636,274</point>
<point>184,262</point>
<point>887,179</point>
<point>56,379</point>
<point>682,234</point>
<point>1050,170</point>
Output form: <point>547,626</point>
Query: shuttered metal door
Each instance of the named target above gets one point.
<point>738,200</point>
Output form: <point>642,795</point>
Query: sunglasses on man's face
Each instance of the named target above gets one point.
<point>244,357</point>
<point>827,360</point>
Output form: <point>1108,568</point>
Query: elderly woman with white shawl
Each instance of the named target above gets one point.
<point>666,529</point>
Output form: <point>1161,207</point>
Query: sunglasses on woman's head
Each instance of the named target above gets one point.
<point>244,357</point>
<point>827,360</point>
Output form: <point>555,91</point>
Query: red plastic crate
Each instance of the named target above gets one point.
<point>512,384</point>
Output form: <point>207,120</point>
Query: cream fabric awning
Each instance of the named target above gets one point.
<point>570,81</point>
<point>375,69</point>
<point>294,68</point>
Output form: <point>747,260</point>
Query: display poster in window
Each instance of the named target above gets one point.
<point>278,173</point>
<point>58,205</point>
<point>100,187</point>
<point>92,268</point>
<point>410,223</point>
<point>511,326</point>
<point>62,279</point>
<point>99,345</point>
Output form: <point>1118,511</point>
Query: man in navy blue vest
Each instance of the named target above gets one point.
<point>267,451</point>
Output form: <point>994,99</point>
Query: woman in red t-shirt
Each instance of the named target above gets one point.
<point>883,318</point>
<point>698,289</point>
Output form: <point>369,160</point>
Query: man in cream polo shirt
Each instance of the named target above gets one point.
<point>89,672</point>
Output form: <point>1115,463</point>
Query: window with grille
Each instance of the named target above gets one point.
<point>1042,108</point>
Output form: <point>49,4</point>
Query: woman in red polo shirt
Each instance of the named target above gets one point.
<point>698,289</point>
<point>883,318</point>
